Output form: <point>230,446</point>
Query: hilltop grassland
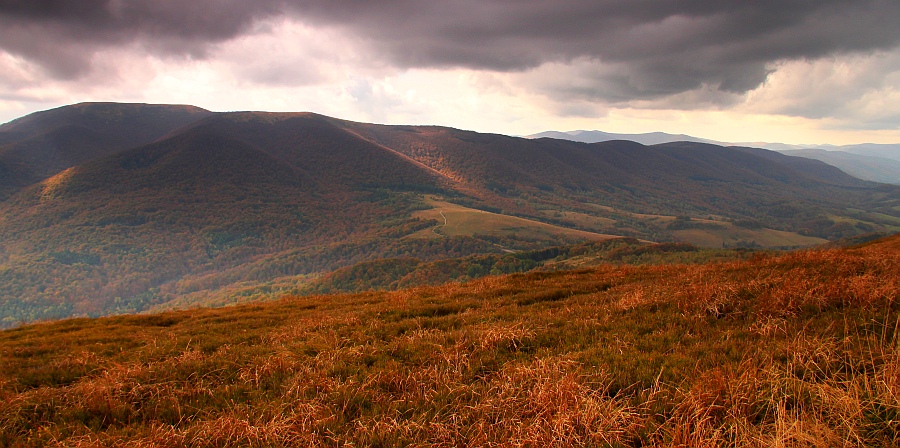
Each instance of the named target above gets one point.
<point>799,349</point>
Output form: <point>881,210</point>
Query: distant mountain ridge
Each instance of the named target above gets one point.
<point>868,161</point>
<point>649,138</point>
<point>878,169</point>
<point>886,151</point>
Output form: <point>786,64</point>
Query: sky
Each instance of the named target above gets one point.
<point>791,71</point>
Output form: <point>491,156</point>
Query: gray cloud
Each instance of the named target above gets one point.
<point>647,48</point>
<point>62,35</point>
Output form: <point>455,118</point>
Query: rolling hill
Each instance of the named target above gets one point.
<point>37,146</point>
<point>525,176</point>
<point>251,201</point>
<point>878,169</point>
<point>888,151</point>
<point>872,162</point>
<point>647,138</point>
<point>110,233</point>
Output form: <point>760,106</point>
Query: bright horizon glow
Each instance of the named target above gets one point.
<point>712,125</point>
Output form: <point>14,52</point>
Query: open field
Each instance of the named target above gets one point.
<point>582,220</point>
<point>709,233</point>
<point>720,234</point>
<point>464,221</point>
<point>799,349</point>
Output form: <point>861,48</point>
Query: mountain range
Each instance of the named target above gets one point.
<point>869,161</point>
<point>647,138</point>
<point>114,208</point>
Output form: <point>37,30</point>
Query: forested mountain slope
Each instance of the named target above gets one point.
<point>525,175</point>
<point>149,206</point>
<point>42,144</point>
<point>107,234</point>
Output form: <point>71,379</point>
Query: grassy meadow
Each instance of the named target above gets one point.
<point>727,234</point>
<point>458,220</point>
<point>798,349</point>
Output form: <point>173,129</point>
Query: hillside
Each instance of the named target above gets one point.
<point>42,144</point>
<point>399,273</point>
<point>872,162</point>
<point>231,207</point>
<point>788,350</point>
<point>124,232</point>
<point>531,176</point>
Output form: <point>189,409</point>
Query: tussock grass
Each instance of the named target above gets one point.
<point>793,350</point>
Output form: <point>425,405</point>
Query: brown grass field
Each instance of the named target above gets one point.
<point>728,234</point>
<point>464,221</point>
<point>793,350</point>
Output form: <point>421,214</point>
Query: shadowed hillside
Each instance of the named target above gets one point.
<point>795,349</point>
<point>120,232</point>
<point>42,144</point>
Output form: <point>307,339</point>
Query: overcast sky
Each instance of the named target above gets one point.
<point>805,71</point>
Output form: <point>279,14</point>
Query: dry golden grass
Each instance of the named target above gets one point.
<point>719,233</point>
<point>792,350</point>
<point>464,221</point>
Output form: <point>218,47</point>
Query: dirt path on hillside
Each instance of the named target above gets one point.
<point>440,225</point>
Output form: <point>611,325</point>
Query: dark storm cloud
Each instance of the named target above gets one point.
<point>62,35</point>
<point>649,49</point>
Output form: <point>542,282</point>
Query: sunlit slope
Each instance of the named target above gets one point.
<point>530,176</point>
<point>763,352</point>
<point>457,220</point>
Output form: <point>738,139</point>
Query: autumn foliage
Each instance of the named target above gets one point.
<point>799,349</point>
